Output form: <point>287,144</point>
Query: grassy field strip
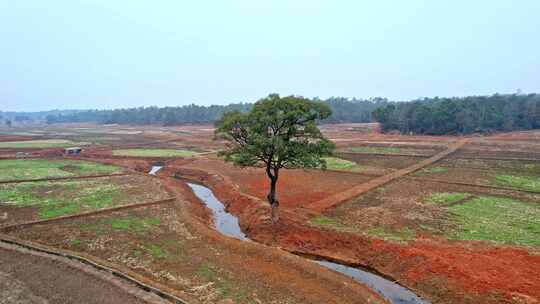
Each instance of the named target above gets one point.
<point>98,264</point>
<point>154,153</point>
<point>502,220</point>
<point>468,184</point>
<point>84,214</point>
<point>497,158</point>
<point>527,183</point>
<point>346,166</point>
<point>386,154</point>
<point>42,143</point>
<point>338,164</point>
<point>448,199</point>
<point>24,169</point>
<point>344,196</point>
<point>62,178</point>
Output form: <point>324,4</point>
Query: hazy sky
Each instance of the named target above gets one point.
<point>124,53</point>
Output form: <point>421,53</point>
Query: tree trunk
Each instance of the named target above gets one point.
<point>274,203</point>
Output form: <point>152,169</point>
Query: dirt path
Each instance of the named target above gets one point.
<point>34,278</point>
<point>339,198</point>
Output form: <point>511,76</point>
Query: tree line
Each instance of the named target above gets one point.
<point>461,115</point>
<point>344,110</point>
<point>437,116</point>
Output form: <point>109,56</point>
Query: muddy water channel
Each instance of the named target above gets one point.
<point>228,225</point>
<point>225,222</point>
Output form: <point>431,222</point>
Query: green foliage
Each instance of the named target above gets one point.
<point>344,110</point>
<point>154,152</point>
<point>462,115</point>
<point>33,169</point>
<point>151,115</point>
<point>378,150</point>
<point>334,163</point>
<point>529,183</point>
<point>498,219</point>
<point>278,133</point>
<point>446,198</point>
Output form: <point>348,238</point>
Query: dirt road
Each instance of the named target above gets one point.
<point>35,278</point>
<point>332,201</point>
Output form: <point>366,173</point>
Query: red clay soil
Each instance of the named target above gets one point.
<point>442,271</point>
<point>269,262</point>
<point>303,186</point>
<point>16,138</point>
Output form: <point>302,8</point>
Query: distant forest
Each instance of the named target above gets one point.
<point>463,115</point>
<point>344,110</point>
<point>436,116</point>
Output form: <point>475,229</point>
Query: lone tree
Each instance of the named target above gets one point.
<point>278,132</point>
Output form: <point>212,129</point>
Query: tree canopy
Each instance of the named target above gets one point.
<point>464,115</point>
<point>278,132</point>
<point>344,110</point>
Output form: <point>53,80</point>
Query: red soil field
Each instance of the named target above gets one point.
<point>300,187</point>
<point>443,271</point>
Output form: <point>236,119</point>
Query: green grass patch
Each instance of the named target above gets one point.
<point>381,189</point>
<point>226,288</point>
<point>334,163</point>
<point>42,143</point>
<point>133,224</point>
<point>20,169</point>
<point>156,251</point>
<point>205,271</point>
<point>324,221</point>
<point>75,242</point>
<point>378,150</point>
<point>446,198</point>
<point>61,198</point>
<point>529,183</point>
<point>129,224</point>
<point>402,235</point>
<point>154,153</point>
<point>497,219</point>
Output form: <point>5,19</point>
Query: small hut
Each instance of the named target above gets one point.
<point>73,150</point>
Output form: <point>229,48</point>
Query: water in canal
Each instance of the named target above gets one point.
<point>227,224</point>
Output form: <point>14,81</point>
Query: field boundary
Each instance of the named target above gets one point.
<point>16,181</point>
<point>344,196</point>
<point>96,264</point>
<point>85,214</point>
<point>389,154</point>
<point>496,158</point>
<point>470,185</point>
